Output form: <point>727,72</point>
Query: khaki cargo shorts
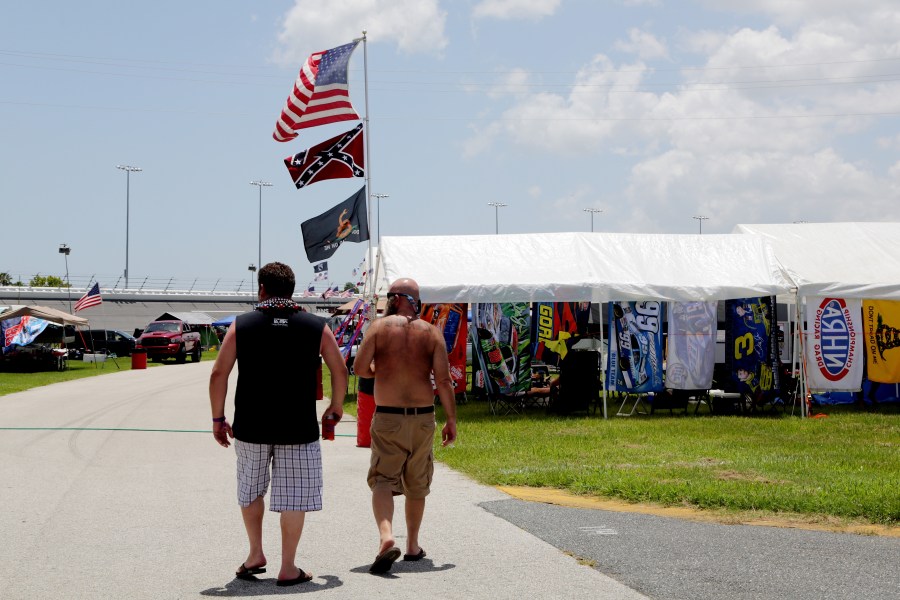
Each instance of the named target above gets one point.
<point>402,457</point>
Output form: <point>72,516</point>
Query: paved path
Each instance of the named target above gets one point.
<point>119,491</point>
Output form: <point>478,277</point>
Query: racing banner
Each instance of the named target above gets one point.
<point>834,357</point>
<point>20,331</point>
<point>881,319</point>
<point>502,342</point>
<point>691,345</point>
<point>556,327</point>
<point>751,352</point>
<point>635,362</point>
<point>451,320</point>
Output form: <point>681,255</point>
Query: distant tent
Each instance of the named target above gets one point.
<point>198,321</point>
<point>224,321</point>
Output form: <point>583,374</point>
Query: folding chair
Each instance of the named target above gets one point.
<point>637,399</point>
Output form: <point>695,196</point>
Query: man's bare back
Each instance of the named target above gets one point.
<point>404,352</point>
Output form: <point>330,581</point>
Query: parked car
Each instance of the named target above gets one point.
<point>110,341</point>
<point>170,339</point>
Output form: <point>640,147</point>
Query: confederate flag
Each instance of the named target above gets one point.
<point>341,156</point>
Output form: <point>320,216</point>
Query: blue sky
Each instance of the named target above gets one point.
<point>652,111</point>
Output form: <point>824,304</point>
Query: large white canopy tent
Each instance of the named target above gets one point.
<point>838,260</point>
<point>571,267</point>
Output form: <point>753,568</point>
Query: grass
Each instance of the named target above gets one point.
<point>18,382</point>
<point>845,466</point>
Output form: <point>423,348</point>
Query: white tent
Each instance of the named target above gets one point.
<point>596,267</point>
<point>839,260</point>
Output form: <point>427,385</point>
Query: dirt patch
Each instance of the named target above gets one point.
<point>737,476</point>
<point>810,522</point>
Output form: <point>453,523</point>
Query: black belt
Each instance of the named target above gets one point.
<point>405,410</point>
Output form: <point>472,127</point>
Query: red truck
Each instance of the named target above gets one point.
<point>170,339</point>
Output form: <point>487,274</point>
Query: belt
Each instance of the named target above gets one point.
<point>405,410</point>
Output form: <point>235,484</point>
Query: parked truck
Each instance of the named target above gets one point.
<point>170,339</point>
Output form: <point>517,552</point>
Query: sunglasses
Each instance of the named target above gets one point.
<point>412,301</point>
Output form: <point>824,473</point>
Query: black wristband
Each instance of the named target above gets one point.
<point>219,420</point>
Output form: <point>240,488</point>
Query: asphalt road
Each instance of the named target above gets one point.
<point>672,559</point>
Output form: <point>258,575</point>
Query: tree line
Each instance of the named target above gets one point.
<point>36,281</point>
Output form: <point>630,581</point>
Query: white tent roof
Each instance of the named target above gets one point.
<point>596,267</point>
<point>842,260</point>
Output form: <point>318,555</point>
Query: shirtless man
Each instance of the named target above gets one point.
<point>402,352</point>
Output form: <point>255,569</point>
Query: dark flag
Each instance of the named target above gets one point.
<point>322,267</point>
<point>341,156</point>
<point>346,222</point>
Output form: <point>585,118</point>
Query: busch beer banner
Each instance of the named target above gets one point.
<point>21,331</point>
<point>834,359</point>
<point>451,320</point>
<point>691,347</point>
<point>502,342</point>
<point>881,319</point>
<point>751,353</point>
<point>556,327</point>
<point>635,362</point>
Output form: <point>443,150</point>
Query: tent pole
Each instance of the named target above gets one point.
<point>801,360</point>
<point>602,365</point>
<point>371,290</point>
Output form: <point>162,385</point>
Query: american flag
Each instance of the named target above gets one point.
<point>331,291</point>
<point>92,298</point>
<point>321,94</point>
<point>341,156</point>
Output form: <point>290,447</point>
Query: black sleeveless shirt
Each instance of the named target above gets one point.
<point>277,357</point>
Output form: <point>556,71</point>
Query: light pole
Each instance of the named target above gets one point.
<point>252,269</point>
<point>592,211</point>
<point>64,250</point>
<point>260,185</point>
<point>380,198</point>
<point>128,170</point>
<point>700,219</point>
<point>497,206</point>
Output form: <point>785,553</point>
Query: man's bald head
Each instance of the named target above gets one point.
<point>399,303</point>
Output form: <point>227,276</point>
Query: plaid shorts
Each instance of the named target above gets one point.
<point>296,475</point>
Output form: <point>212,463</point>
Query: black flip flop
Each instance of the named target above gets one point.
<point>302,578</point>
<point>384,560</point>
<point>247,574</point>
<point>415,557</point>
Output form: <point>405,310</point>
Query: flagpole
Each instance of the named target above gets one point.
<point>368,161</point>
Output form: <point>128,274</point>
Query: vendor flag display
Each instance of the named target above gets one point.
<point>834,352</point>
<point>20,331</point>
<point>340,157</point>
<point>502,342</point>
<point>881,322</point>
<point>321,94</point>
<point>691,345</point>
<point>346,222</point>
<point>635,358</point>
<point>451,320</point>
<point>750,350</point>
<point>555,328</point>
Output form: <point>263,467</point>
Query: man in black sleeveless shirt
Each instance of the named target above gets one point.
<point>278,348</point>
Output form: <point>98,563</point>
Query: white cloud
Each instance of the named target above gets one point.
<point>515,9</point>
<point>645,45</point>
<point>311,25</point>
<point>743,138</point>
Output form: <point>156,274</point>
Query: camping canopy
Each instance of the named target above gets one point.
<point>839,260</point>
<point>224,321</point>
<point>44,312</point>
<point>597,267</point>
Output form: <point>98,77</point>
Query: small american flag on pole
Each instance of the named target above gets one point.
<point>321,93</point>
<point>92,298</point>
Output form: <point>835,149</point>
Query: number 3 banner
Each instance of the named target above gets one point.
<point>750,353</point>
